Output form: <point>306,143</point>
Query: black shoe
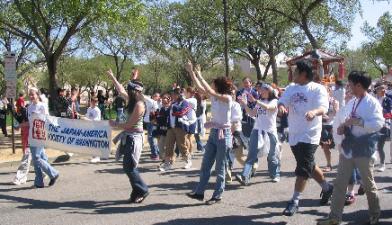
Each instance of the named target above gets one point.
<point>193,195</point>
<point>140,199</point>
<point>325,196</point>
<point>361,191</point>
<point>53,180</point>
<point>243,180</point>
<point>213,201</point>
<point>37,186</point>
<point>290,209</point>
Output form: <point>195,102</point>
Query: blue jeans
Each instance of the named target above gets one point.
<point>272,158</point>
<point>200,145</point>
<point>215,151</point>
<point>139,188</point>
<point>41,164</point>
<point>120,115</point>
<point>152,141</point>
<point>355,177</point>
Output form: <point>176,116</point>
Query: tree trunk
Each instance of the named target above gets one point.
<point>256,64</point>
<point>225,26</point>
<point>266,69</point>
<point>309,35</point>
<point>51,63</point>
<point>274,69</point>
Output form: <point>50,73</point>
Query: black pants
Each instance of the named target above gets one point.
<point>3,125</point>
<point>304,155</point>
<point>139,188</point>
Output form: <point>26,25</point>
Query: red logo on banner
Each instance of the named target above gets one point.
<point>39,130</point>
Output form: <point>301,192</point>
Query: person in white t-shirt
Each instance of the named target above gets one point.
<point>151,107</point>
<point>305,102</point>
<point>190,98</point>
<point>94,114</point>
<point>39,158</point>
<point>326,140</point>
<point>265,111</point>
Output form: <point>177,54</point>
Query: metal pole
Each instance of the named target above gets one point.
<point>12,127</point>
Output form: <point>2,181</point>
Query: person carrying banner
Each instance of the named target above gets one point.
<point>132,135</point>
<point>39,158</point>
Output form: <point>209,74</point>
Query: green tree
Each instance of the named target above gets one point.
<point>379,46</point>
<point>319,20</point>
<point>52,25</point>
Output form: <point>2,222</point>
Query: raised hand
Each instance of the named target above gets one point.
<point>110,73</point>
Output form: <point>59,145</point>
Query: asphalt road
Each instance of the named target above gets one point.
<point>96,194</point>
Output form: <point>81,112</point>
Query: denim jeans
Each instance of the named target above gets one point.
<point>139,188</point>
<point>200,145</point>
<point>152,141</point>
<point>41,164</point>
<point>272,158</point>
<point>355,177</point>
<point>120,115</point>
<point>215,151</point>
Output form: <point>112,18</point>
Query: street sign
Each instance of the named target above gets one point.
<point>10,74</point>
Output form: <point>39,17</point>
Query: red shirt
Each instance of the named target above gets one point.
<point>20,102</point>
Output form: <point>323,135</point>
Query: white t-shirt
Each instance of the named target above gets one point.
<point>93,114</point>
<point>300,99</point>
<point>221,111</point>
<point>193,102</point>
<point>340,94</point>
<point>151,106</point>
<point>44,100</point>
<point>370,111</point>
<point>236,116</point>
<point>266,119</point>
<point>38,108</point>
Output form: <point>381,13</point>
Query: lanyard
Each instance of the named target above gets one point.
<point>354,109</point>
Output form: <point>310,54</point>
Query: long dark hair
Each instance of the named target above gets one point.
<point>134,96</point>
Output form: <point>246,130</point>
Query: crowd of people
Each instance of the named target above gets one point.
<point>244,125</point>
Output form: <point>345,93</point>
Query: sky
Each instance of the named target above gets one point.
<point>371,11</point>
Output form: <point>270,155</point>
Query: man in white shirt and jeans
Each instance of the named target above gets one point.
<point>363,120</point>
<point>305,102</point>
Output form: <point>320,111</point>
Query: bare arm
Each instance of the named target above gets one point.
<point>138,112</point>
<point>121,90</point>
<point>189,69</point>
<point>210,91</point>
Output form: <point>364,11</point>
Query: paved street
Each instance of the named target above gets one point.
<point>96,193</point>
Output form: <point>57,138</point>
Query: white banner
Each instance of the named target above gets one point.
<point>77,136</point>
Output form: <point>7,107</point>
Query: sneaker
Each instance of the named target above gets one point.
<point>373,220</point>
<point>165,166</point>
<point>95,159</point>
<point>291,208</point>
<point>243,180</point>
<point>361,191</point>
<point>253,171</point>
<point>381,168</point>
<point>328,221</point>
<point>193,195</point>
<point>188,164</point>
<point>213,200</point>
<point>350,199</point>
<point>154,158</point>
<point>53,180</point>
<point>19,181</point>
<point>276,180</point>
<point>326,195</point>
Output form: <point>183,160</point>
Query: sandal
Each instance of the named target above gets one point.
<point>327,169</point>
<point>140,199</point>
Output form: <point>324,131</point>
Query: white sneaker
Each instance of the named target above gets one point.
<point>381,168</point>
<point>70,154</point>
<point>95,159</point>
<point>165,166</point>
<point>276,179</point>
<point>188,164</point>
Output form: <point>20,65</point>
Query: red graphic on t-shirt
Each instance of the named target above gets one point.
<point>39,130</point>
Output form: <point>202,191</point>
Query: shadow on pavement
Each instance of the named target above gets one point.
<point>243,220</point>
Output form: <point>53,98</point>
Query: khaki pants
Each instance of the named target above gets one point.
<point>161,146</point>
<point>179,137</point>
<point>345,169</point>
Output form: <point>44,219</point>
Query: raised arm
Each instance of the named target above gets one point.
<point>121,90</point>
<point>189,69</point>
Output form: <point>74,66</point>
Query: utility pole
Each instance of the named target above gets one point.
<point>226,31</point>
